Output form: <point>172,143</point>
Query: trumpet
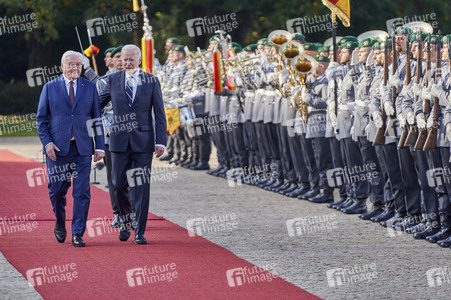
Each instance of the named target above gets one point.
<point>303,65</point>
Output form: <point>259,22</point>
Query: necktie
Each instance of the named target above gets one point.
<point>71,93</point>
<point>129,90</point>
<point>72,99</point>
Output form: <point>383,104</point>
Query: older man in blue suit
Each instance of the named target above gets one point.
<point>138,130</point>
<point>68,110</point>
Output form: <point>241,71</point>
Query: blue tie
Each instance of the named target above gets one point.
<point>129,90</point>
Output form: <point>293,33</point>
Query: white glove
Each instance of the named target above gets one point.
<point>367,129</point>
<point>355,57</point>
<point>294,90</point>
<point>421,122</point>
<point>370,59</point>
<point>330,70</point>
<point>332,115</point>
<point>437,88</point>
<point>417,88</point>
<point>405,90</point>
<point>283,76</point>
<point>426,93</point>
<point>389,110</point>
<point>86,63</point>
<point>448,131</point>
<point>350,106</point>
<point>353,133</point>
<point>383,90</point>
<point>410,118</point>
<point>332,65</point>
<point>394,80</point>
<point>430,122</point>
<point>377,119</point>
<point>402,121</point>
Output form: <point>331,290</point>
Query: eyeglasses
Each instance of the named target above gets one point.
<point>78,66</point>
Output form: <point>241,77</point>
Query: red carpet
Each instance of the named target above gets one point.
<point>172,266</point>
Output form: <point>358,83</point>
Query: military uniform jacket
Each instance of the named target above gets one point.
<point>316,99</point>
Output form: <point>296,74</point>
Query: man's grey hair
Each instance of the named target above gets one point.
<point>131,47</point>
<point>71,53</point>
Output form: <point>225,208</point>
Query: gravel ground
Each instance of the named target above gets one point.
<point>252,223</point>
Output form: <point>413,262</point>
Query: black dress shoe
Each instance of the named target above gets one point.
<point>299,191</point>
<point>292,187</point>
<point>124,235</point>
<point>340,201</point>
<point>166,157</point>
<point>201,166</point>
<point>409,221</point>
<point>425,233</point>
<point>140,239</point>
<point>374,212</point>
<point>441,235</point>
<point>397,218</point>
<point>312,193</point>
<point>358,208</point>
<point>60,233</point>
<point>349,202</point>
<point>386,215</point>
<point>115,223</point>
<point>323,197</point>
<point>446,243</point>
<point>77,241</point>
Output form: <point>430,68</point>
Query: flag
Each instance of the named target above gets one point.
<point>88,52</point>
<point>341,8</point>
<point>135,5</point>
<point>172,119</point>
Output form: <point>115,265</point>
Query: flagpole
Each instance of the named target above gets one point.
<point>334,44</point>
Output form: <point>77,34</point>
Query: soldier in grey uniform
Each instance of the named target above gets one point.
<point>437,158</point>
<point>353,158</point>
<point>331,120</point>
<point>394,198</point>
<point>443,92</point>
<point>361,121</point>
<point>426,199</point>
<point>115,62</point>
<point>315,96</point>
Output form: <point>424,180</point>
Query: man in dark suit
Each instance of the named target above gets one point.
<point>138,130</point>
<point>68,107</point>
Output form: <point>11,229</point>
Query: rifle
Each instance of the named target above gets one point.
<point>419,145</point>
<point>405,129</point>
<point>379,139</point>
<point>391,125</point>
<point>431,140</point>
<point>413,132</point>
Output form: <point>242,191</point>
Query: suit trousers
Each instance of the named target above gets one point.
<point>107,160</point>
<point>300,168</point>
<point>337,161</point>
<point>59,174</point>
<point>376,180</point>
<point>354,162</point>
<point>321,150</point>
<point>132,168</point>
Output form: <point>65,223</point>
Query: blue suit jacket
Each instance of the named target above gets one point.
<point>134,124</point>
<point>56,118</point>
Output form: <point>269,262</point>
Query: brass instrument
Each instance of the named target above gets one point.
<point>278,38</point>
<point>303,65</point>
<point>378,35</point>
<point>290,50</point>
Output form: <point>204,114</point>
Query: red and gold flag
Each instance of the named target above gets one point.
<point>341,8</point>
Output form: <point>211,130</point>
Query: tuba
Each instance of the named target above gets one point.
<point>278,38</point>
<point>302,65</point>
<point>289,51</point>
<point>378,35</point>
